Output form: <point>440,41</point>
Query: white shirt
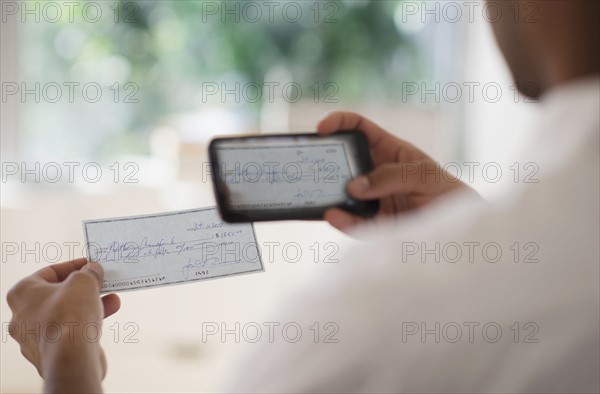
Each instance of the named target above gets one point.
<point>383,295</point>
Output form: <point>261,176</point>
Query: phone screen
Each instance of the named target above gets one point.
<point>290,176</point>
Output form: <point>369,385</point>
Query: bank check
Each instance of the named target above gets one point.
<point>170,248</point>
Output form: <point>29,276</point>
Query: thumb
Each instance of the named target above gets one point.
<point>95,270</point>
<point>341,219</point>
<point>402,178</point>
<point>388,179</point>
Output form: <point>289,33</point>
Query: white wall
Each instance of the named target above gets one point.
<point>493,131</point>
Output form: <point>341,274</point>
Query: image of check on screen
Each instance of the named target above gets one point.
<point>292,176</point>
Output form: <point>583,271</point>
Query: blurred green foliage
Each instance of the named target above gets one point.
<point>170,48</point>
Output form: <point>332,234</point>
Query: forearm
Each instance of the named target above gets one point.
<point>72,367</point>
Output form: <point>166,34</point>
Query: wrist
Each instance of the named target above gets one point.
<point>71,365</point>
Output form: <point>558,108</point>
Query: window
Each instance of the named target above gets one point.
<point>99,78</point>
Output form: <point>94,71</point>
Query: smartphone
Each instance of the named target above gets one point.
<point>288,176</point>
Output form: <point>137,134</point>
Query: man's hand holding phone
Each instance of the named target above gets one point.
<point>348,172</point>
<point>404,178</point>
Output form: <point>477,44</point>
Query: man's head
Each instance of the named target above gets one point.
<point>547,42</point>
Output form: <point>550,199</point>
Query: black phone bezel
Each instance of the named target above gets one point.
<point>364,164</point>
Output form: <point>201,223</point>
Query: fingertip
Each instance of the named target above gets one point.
<point>359,186</point>
<point>329,214</point>
<point>340,219</point>
<point>96,270</point>
<point>111,303</point>
<point>94,266</point>
<point>79,262</point>
<point>329,123</point>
